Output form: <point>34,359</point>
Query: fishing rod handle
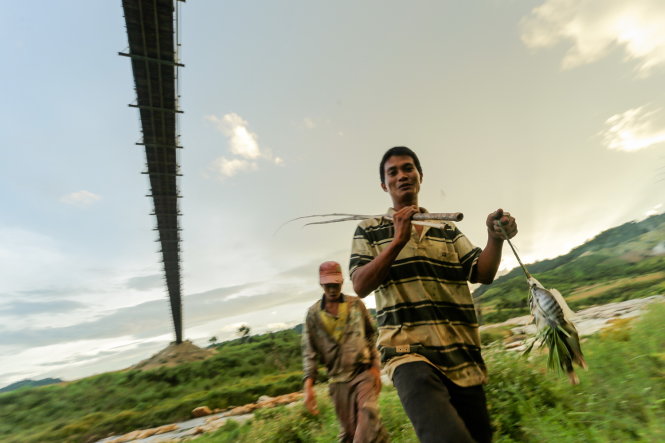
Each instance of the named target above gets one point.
<point>448,216</point>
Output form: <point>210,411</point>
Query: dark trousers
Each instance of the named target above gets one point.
<point>440,410</point>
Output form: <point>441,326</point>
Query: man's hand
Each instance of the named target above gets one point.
<point>368,277</point>
<point>376,372</point>
<point>500,219</point>
<point>402,222</point>
<point>310,397</point>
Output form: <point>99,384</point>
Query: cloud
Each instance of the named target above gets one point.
<point>634,129</point>
<point>153,318</point>
<point>230,167</point>
<point>80,198</point>
<point>243,144</point>
<point>104,342</point>
<point>657,209</point>
<point>77,359</point>
<point>279,326</point>
<point>21,253</point>
<point>309,123</point>
<point>146,282</point>
<point>25,308</point>
<point>595,27</point>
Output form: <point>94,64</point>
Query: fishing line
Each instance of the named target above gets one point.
<point>503,231</point>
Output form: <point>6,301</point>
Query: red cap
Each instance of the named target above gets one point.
<point>330,272</point>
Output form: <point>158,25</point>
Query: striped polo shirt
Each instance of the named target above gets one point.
<point>424,307</point>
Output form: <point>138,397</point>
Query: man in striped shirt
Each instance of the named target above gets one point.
<point>428,330</point>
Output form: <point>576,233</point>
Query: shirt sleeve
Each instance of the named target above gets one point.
<point>361,251</point>
<point>310,356</point>
<point>371,335</point>
<point>468,254</point>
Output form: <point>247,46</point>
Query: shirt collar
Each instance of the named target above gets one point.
<point>323,300</point>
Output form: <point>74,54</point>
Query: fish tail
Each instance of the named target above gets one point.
<point>573,378</point>
<point>579,359</point>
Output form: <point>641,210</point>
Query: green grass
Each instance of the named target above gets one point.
<point>620,398</point>
<point>293,424</point>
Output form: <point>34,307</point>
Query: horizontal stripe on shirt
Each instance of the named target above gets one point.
<point>424,301</point>
<point>427,311</point>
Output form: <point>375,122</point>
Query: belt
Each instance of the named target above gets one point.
<point>388,352</point>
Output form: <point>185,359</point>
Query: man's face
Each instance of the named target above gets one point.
<point>402,179</point>
<point>332,291</point>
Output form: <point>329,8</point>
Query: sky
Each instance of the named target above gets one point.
<point>551,109</point>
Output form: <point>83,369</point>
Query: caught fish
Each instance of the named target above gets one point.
<point>556,330</point>
<point>554,323</point>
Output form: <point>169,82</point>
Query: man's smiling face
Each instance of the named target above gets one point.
<point>402,179</point>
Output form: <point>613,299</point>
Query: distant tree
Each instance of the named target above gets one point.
<point>213,340</point>
<point>243,331</point>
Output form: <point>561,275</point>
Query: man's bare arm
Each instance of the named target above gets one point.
<point>490,258</point>
<point>368,277</point>
<point>310,397</point>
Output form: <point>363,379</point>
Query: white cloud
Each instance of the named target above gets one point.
<point>80,198</point>
<point>23,251</point>
<point>230,167</point>
<point>278,326</point>
<point>655,210</point>
<point>595,27</point>
<point>309,123</point>
<point>233,327</point>
<point>634,129</point>
<point>243,144</point>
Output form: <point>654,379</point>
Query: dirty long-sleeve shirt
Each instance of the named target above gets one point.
<point>343,358</point>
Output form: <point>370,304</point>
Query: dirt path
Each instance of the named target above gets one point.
<point>208,422</point>
<point>175,432</point>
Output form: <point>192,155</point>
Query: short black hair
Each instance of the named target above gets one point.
<point>398,150</point>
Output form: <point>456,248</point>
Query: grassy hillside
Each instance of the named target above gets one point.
<point>616,265</point>
<point>620,398</point>
<point>30,384</point>
<point>111,403</point>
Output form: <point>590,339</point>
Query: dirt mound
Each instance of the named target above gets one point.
<point>175,354</point>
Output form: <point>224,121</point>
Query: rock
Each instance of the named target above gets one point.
<point>241,410</point>
<point>127,437</point>
<point>201,411</point>
<point>264,398</point>
<point>144,433</point>
<point>166,428</point>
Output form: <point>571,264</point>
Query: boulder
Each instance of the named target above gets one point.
<point>201,411</point>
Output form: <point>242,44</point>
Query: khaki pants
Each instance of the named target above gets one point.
<point>358,410</point>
